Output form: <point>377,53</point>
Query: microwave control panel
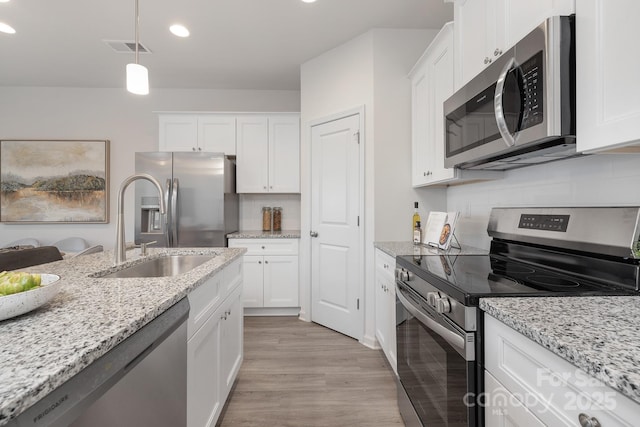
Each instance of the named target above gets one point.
<point>531,72</point>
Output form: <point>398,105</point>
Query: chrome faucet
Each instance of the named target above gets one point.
<point>120,251</point>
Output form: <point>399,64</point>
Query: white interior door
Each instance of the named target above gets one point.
<point>335,201</point>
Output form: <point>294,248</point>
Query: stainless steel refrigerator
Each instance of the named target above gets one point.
<point>202,204</point>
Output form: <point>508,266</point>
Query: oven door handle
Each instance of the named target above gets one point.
<point>457,340</point>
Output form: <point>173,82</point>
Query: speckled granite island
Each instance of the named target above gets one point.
<point>259,234</point>
<point>42,349</point>
<point>600,335</point>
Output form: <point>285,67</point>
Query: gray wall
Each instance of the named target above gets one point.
<point>127,120</point>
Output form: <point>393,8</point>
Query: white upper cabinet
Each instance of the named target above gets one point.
<point>485,29</point>
<point>252,161</point>
<point>217,133</point>
<point>284,154</point>
<point>178,132</point>
<point>198,132</point>
<point>431,85</point>
<point>607,84</point>
<point>268,159</point>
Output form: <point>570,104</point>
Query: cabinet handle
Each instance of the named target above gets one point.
<point>265,187</point>
<point>224,317</point>
<point>497,52</point>
<point>259,262</point>
<point>266,262</point>
<point>487,60</point>
<point>587,421</point>
<point>193,148</point>
<point>263,247</point>
<point>199,148</point>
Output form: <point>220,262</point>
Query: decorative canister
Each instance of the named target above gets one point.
<point>266,218</point>
<point>277,219</point>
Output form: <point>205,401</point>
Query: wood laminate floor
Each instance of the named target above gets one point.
<point>301,374</point>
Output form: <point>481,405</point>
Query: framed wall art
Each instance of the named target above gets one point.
<point>54,181</point>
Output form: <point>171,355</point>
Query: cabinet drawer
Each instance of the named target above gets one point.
<point>203,302</point>
<point>554,390</point>
<point>385,264</point>
<point>232,276</point>
<point>266,246</point>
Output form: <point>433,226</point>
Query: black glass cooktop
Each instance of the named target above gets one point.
<point>470,277</point>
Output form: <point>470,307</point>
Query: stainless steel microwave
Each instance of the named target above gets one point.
<point>520,110</point>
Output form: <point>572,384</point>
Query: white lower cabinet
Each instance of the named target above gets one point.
<point>386,306</point>
<point>270,272</point>
<point>214,346</point>
<point>528,385</point>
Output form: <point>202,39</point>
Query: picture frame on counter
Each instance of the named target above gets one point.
<point>54,181</point>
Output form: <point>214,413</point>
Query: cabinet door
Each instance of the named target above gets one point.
<point>284,154</point>
<point>281,281</point>
<point>252,266</point>
<point>217,133</point>
<point>204,401</point>
<point>231,342</point>
<point>503,408</point>
<point>178,132</point>
<point>607,88</point>
<point>252,173</point>
<point>472,31</point>
<point>421,147</point>
<point>392,353</point>
<point>440,77</point>
<point>382,314</point>
<point>522,17</point>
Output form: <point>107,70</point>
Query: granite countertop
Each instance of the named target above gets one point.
<point>89,316</point>
<point>259,234</point>
<point>600,335</point>
<point>407,248</point>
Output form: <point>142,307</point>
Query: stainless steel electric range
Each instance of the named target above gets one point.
<point>534,252</point>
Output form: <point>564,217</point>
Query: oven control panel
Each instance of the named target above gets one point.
<point>544,222</point>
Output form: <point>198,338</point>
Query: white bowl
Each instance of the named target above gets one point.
<point>23,302</point>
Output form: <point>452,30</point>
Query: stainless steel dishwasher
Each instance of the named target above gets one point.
<point>140,382</point>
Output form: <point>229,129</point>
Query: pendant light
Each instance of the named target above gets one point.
<point>137,75</point>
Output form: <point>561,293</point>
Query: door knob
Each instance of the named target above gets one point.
<point>313,233</point>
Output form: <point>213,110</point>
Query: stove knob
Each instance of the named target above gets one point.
<point>404,275</point>
<point>443,305</point>
<point>432,298</point>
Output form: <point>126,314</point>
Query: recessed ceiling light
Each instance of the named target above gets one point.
<point>4,1</point>
<point>309,1</point>
<point>179,30</point>
<point>4,28</point>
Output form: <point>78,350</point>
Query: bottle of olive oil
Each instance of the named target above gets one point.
<point>417,234</point>
<point>416,217</point>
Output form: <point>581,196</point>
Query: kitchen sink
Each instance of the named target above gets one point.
<point>165,266</point>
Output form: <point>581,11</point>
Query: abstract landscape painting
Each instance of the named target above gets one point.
<point>54,181</point>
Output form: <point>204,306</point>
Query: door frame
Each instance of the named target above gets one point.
<point>305,239</point>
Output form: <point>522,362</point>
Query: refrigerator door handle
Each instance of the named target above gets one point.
<point>167,216</point>
<point>174,213</point>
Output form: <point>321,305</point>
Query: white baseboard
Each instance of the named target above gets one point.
<point>371,342</point>
<point>269,311</point>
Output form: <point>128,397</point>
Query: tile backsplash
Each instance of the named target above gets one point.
<point>251,210</point>
<point>594,180</point>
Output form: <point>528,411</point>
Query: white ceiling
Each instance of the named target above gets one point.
<point>234,44</point>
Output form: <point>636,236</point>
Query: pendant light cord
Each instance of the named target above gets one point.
<point>136,26</point>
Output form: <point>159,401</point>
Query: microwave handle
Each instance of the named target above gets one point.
<point>497,102</point>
